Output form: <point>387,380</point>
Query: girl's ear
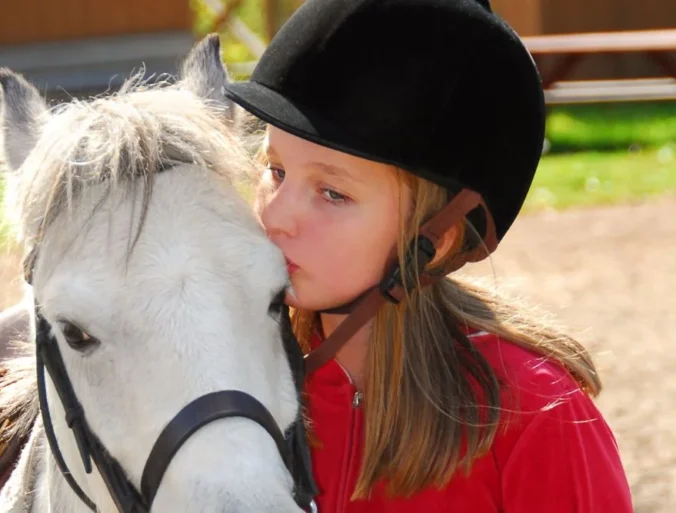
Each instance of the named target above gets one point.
<point>446,243</point>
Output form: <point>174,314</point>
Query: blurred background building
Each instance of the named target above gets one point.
<point>87,46</point>
<point>538,17</point>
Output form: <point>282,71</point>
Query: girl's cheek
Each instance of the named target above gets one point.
<point>259,203</point>
<point>258,208</point>
<point>261,197</point>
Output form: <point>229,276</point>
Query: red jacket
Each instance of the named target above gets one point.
<point>563,459</point>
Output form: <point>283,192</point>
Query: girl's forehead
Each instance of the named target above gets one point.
<point>291,150</point>
<point>282,144</point>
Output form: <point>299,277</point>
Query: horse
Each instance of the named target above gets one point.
<point>166,374</point>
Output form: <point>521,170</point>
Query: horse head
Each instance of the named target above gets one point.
<point>157,284</point>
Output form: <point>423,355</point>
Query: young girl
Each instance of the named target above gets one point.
<point>402,138</point>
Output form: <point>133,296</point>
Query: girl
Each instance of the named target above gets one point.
<point>402,138</point>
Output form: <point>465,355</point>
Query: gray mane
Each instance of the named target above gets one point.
<point>123,140</point>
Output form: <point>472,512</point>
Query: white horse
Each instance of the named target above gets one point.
<point>159,287</point>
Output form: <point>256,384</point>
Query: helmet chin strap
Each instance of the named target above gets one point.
<point>391,288</point>
<point>345,308</point>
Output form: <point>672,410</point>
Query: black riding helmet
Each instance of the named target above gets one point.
<point>444,89</point>
<point>441,88</point>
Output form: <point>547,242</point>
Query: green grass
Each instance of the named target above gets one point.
<point>611,127</point>
<point>602,178</point>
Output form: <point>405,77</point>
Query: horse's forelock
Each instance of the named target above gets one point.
<point>124,139</point>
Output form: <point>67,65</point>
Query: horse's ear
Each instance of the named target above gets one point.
<point>203,71</point>
<point>22,113</point>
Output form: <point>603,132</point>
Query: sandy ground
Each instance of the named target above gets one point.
<point>609,274</point>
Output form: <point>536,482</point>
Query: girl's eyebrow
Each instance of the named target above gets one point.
<point>329,169</point>
<point>336,171</point>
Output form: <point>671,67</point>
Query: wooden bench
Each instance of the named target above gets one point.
<point>570,49</point>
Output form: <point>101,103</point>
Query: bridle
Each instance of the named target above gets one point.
<point>292,445</point>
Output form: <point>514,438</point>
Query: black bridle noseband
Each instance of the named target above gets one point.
<point>217,405</point>
<point>292,446</point>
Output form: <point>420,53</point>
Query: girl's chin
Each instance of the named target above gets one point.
<point>315,306</point>
<point>290,299</point>
<point>299,297</point>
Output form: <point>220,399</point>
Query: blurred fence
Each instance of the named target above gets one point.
<point>32,21</point>
<point>84,47</point>
<point>534,17</point>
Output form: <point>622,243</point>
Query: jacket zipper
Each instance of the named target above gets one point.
<point>344,493</point>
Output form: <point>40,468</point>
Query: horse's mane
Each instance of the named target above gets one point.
<point>121,140</point>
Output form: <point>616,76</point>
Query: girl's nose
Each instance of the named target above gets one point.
<point>281,212</point>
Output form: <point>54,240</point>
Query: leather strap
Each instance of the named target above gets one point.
<point>202,411</point>
<point>210,407</point>
<point>54,364</point>
<point>297,441</point>
<point>365,310</point>
<point>391,289</point>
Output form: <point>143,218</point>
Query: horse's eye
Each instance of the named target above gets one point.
<point>77,338</point>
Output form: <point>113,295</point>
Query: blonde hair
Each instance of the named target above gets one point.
<point>414,433</point>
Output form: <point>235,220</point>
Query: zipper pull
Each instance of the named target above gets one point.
<point>356,399</point>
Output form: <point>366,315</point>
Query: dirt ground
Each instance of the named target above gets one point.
<point>610,275</point>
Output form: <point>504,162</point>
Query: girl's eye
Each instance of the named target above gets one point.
<point>329,195</point>
<point>333,197</point>
<point>277,174</point>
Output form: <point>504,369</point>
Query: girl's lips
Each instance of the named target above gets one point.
<point>291,266</point>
